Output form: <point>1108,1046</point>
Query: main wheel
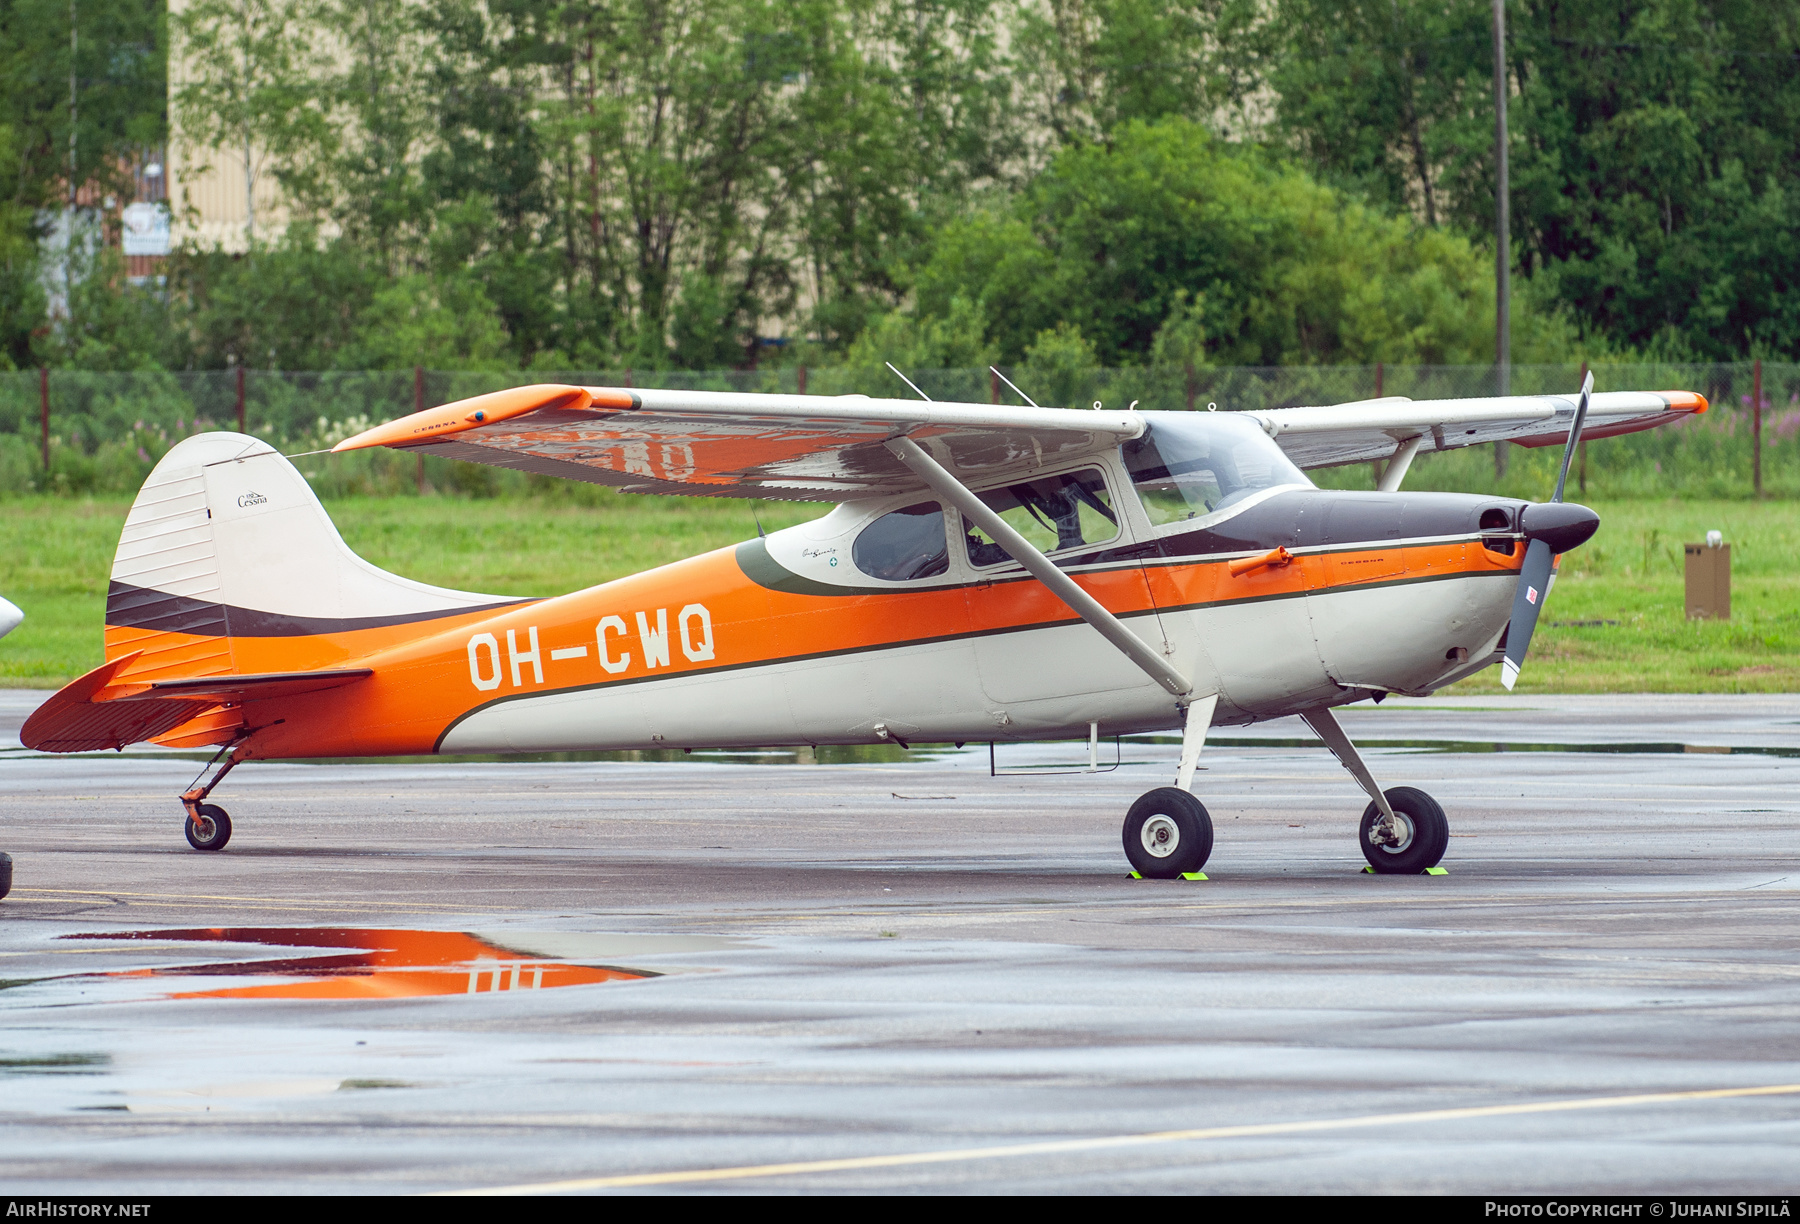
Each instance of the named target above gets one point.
<point>1167,834</point>
<point>1424,833</point>
<point>211,831</point>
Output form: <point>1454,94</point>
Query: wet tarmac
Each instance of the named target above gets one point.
<point>905,975</point>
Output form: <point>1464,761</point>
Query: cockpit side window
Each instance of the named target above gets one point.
<point>1187,465</point>
<point>1054,512</point>
<point>904,544</point>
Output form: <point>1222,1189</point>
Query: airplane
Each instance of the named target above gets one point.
<point>989,572</point>
<point>10,617</point>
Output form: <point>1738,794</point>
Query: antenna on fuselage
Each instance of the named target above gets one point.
<point>909,382</point>
<point>1009,382</point>
<point>757,515</point>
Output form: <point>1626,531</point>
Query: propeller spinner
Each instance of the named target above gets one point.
<point>1551,527</point>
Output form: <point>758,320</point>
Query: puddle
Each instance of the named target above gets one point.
<point>57,1064</point>
<point>824,754</point>
<point>1478,746</point>
<point>366,963</point>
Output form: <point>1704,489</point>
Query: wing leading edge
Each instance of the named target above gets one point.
<point>1376,429</point>
<point>830,448</point>
<point>785,447</point>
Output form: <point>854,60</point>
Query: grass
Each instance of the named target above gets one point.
<point>55,554</point>
<point>1632,573</point>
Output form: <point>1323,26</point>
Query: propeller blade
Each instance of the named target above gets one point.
<point>1550,532</point>
<point>1562,477</point>
<point>1534,584</point>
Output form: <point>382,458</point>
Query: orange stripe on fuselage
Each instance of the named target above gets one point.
<point>423,686</point>
<point>169,655</point>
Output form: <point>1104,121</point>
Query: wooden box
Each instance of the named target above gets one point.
<point>1708,582</point>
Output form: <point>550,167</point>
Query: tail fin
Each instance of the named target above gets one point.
<point>228,564</point>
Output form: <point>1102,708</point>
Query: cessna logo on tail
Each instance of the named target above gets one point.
<point>252,498</point>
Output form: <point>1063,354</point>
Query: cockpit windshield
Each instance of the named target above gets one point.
<point>1189,464</point>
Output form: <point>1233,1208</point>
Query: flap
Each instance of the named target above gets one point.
<point>788,447</point>
<point>1375,429</point>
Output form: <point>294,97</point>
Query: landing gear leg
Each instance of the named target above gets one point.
<point>1168,832</point>
<point>207,825</point>
<point>1193,738</point>
<point>1403,831</point>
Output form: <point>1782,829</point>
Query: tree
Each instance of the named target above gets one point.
<point>118,65</point>
<point>244,85</point>
<point>1088,67</point>
<point>1239,252</point>
<point>1652,168</point>
<point>1655,177</point>
<point>1373,93</point>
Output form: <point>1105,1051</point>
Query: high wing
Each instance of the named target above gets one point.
<point>784,447</point>
<point>1377,429</point>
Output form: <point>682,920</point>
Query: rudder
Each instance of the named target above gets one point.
<point>227,550</point>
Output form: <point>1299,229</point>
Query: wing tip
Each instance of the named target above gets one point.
<point>1684,401</point>
<point>445,420</point>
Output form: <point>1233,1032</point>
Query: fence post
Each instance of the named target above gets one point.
<point>1756,429</point>
<point>1191,389</point>
<point>802,380</point>
<point>419,406</point>
<point>44,404</point>
<point>240,400</point>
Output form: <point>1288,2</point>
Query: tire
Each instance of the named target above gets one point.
<point>1167,834</point>
<point>1427,833</point>
<point>215,828</point>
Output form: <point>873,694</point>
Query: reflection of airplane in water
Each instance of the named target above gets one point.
<point>990,573</point>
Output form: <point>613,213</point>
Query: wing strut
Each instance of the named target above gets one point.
<point>1038,565</point>
<point>1396,468</point>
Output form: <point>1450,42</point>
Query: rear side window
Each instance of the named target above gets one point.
<point>904,544</point>
<point>1053,513</point>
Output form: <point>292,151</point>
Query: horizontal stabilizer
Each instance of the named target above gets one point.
<point>74,721</point>
<point>101,710</point>
<point>248,688</point>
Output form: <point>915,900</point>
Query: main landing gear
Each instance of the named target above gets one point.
<point>207,825</point>
<point>1403,832</point>
<point>1168,833</point>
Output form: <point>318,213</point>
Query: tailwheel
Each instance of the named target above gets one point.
<point>1417,843</point>
<point>1167,834</point>
<point>208,827</point>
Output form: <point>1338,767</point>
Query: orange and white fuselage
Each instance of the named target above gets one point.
<point>989,573</point>
<point>782,640</point>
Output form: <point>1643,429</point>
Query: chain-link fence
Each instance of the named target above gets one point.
<point>81,432</point>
